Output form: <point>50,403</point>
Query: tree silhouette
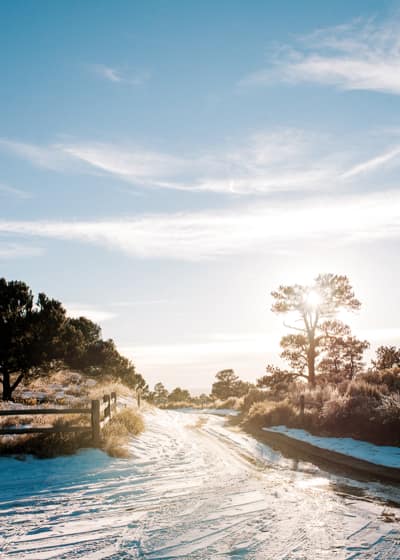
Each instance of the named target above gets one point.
<point>311,306</point>
<point>30,333</point>
<point>386,357</point>
<point>228,384</point>
<point>35,334</point>
<point>160,393</point>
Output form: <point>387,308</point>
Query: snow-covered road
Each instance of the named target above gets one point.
<point>193,490</point>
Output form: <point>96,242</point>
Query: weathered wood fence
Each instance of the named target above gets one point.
<point>100,412</point>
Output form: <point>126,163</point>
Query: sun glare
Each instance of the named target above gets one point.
<point>313,299</point>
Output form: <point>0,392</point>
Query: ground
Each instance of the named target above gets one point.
<point>193,489</point>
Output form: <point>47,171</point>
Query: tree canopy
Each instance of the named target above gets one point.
<point>313,309</point>
<point>35,333</point>
<point>228,384</point>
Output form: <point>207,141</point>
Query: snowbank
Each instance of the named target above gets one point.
<point>382,455</point>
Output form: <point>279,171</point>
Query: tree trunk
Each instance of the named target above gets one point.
<point>311,361</point>
<point>7,391</point>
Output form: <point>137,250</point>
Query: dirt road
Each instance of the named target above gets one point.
<point>193,490</point>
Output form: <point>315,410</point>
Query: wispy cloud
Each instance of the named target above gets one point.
<point>372,164</point>
<point>48,157</point>
<point>17,251</point>
<point>12,191</point>
<point>278,161</point>
<point>91,312</point>
<point>257,229</point>
<point>117,76</point>
<point>361,55</point>
<point>140,302</point>
<point>203,358</point>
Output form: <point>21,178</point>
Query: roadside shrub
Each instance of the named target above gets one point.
<point>387,379</point>
<point>127,422</point>
<point>253,396</point>
<point>361,388</point>
<point>232,402</point>
<point>272,414</point>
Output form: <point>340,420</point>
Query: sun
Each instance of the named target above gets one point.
<point>312,299</point>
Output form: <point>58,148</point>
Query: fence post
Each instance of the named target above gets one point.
<point>107,409</point>
<point>302,409</point>
<point>113,403</point>
<point>96,421</point>
<point>138,396</point>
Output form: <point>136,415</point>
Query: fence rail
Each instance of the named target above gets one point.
<point>101,411</point>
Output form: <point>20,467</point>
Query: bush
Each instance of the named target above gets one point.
<point>127,422</point>
<point>253,396</point>
<point>272,414</point>
<point>387,379</point>
<point>361,388</point>
<point>232,402</point>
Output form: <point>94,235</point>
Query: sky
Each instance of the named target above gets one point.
<point>165,165</point>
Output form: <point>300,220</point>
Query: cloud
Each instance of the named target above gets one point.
<point>277,161</point>
<point>203,358</point>
<point>373,163</point>
<point>140,302</point>
<point>361,55</point>
<point>12,191</point>
<point>210,234</point>
<point>114,75</point>
<point>49,157</point>
<point>93,313</point>
<point>16,251</point>
<point>282,160</point>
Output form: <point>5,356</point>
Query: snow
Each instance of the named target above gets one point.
<point>217,411</point>
<point>382,455</point>
<point>195,490</point>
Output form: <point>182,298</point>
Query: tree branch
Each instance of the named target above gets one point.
<point>294,328</point>
<point>17,382</point>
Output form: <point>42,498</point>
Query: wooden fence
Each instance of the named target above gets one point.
<point>100,412</point>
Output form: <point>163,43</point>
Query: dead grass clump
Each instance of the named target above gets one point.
<point>269,413</point>
<point>126,423</point>
<point>360,388</point>
<point>234,403</point>
<point>108,386</point>
<point>388,380</point>
<point>44,446</point>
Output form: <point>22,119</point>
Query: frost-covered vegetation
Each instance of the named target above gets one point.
<point>50,360</point>
<point>37,336</point>
<point>363,408</point>
<point>342,395</point>
<point>68,389</point>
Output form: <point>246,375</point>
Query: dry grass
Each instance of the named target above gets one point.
<point>68,389</point>
<point>269,413</point>
<point>44,446</point>
<point>234,403</point>
<point>126,423</point>
<point>108,386</point>
<point>364,408</point>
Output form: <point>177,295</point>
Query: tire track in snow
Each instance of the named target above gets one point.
<point>188,492</point>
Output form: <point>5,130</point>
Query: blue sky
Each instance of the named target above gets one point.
<point>165,165</point>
